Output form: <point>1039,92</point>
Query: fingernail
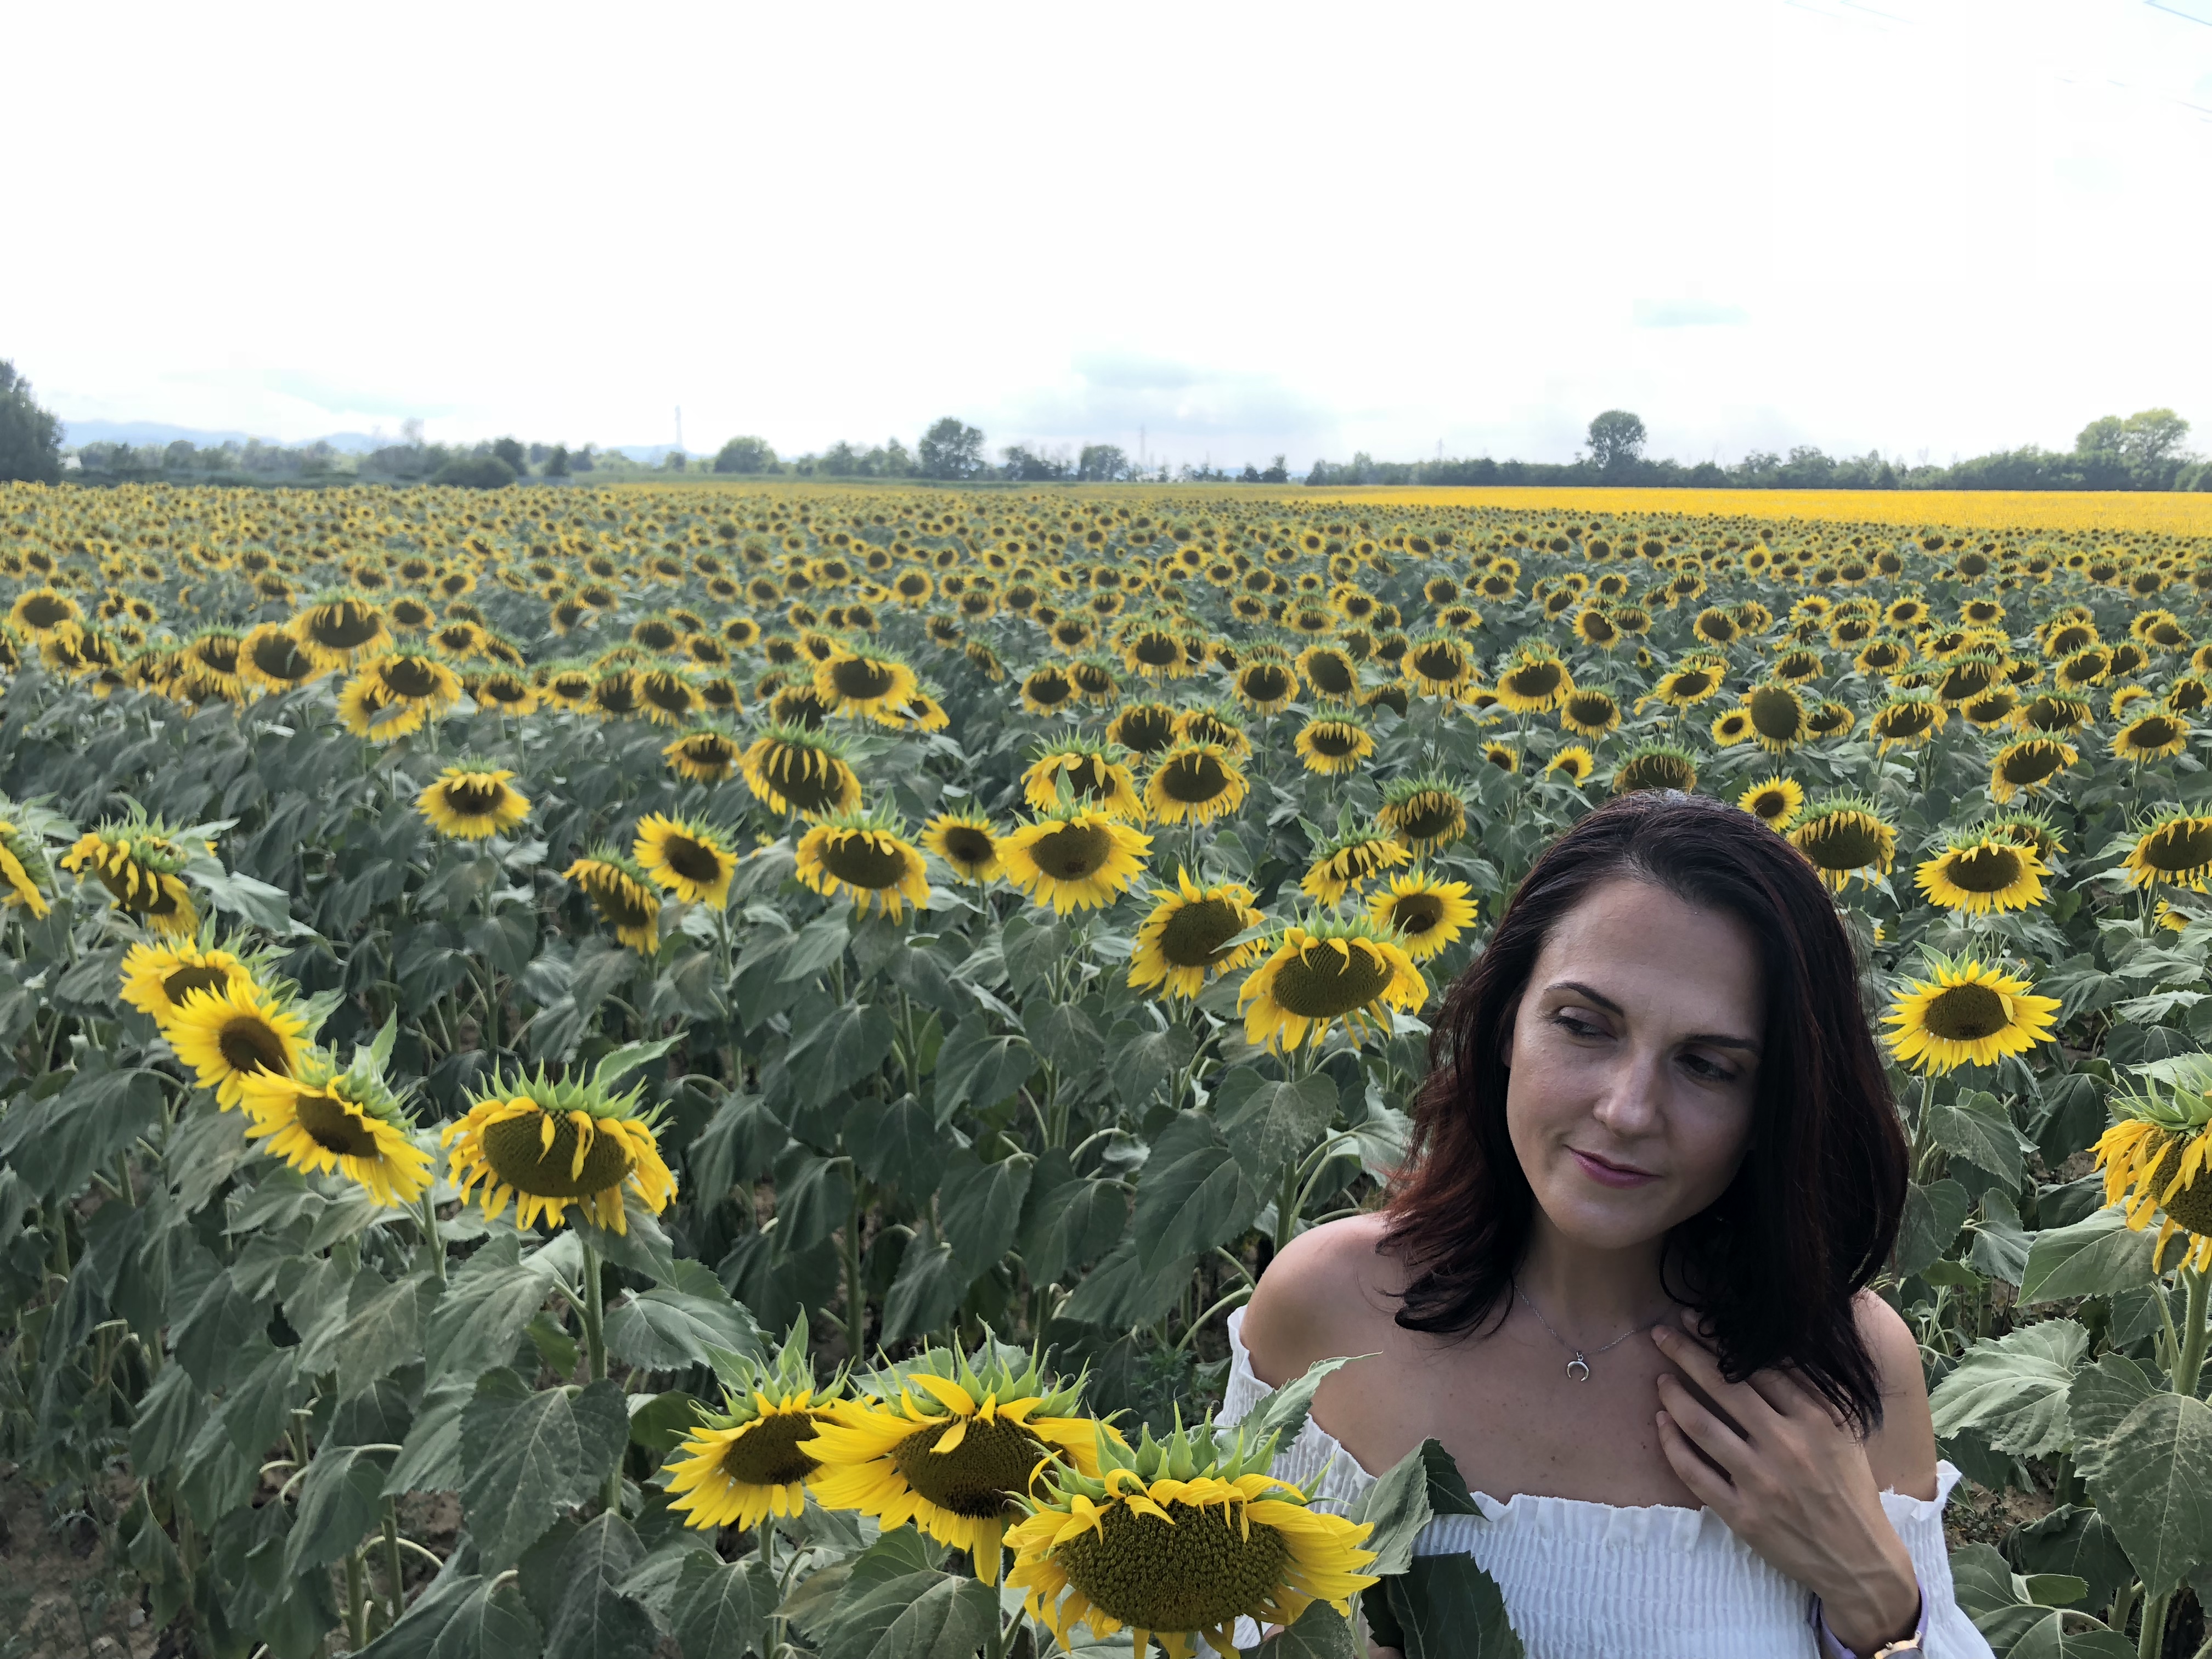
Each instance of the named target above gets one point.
<point>1661,1335</point>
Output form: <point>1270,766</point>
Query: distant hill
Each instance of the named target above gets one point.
<point>76,433</point>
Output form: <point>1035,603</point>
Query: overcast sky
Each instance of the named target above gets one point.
<point>1933,226</point>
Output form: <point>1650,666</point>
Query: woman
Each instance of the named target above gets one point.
<point>1622,1276</point>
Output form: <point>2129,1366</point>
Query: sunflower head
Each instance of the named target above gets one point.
<point>2152,737</point>
<point>687,858</point>
<point>868,856</point>
<point>967,842</point>
<point>1575,763</point>
<point>1073,858</point>
<point>158,977</point>
<point>547,1143</point>
<point>1425,913</point>
<point>2156,1153</point>
<point>705,754</point>
<point>2026,829</point>
<point>141,861</point>
<point>1346,861</point>
<point>469,801</point>
<point>1333,970</point>
<point>1655,766</point>
<point>1196,782</point>
<point>870,682</point>
<point>1143,728</point>
<point>1426,813</point>
<point>240,1030</point>
<point>1332,744</point>
<point>1186,939</point>
<point>26,878</point>
<point>1965,1013</point>
<point>1776,803</point>
<point>622,893</point>
<point>1979,872</point>
<point>1533,681</point>
<point>791,769</point>
<point>2176,848</point>
<point>321,1119</point>
<point>739,1465</point>
<point>1085,770</point>
<point>1844,836</point>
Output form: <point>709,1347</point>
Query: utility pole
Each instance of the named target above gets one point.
<point>679,427</point>
<point>1141,449</point>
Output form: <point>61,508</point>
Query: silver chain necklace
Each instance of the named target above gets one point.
<point>1579,1367</point>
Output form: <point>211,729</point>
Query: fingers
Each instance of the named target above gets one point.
<point>1726,1449</point>
<point>1746,1401</point>
<point>1708,1486</point>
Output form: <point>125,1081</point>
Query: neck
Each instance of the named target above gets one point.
<point>1588,1292</point>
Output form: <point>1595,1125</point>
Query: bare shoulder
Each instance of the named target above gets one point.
<point>1903,1450</point>
<point>1328,1294</point>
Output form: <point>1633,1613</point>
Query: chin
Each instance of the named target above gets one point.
<point>1615,1227</point>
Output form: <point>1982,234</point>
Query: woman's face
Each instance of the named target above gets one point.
<point>1635,1058</point>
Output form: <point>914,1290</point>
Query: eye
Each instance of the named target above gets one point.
<point>1576,1023</point>
<point>1711,1071</point>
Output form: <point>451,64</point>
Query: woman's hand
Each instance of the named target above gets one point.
<point>1792,1481</point>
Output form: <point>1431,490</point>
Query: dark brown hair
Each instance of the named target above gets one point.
<point>1775,1263</point>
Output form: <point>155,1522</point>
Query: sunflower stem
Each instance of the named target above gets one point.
<point>433,1245</point>
<point>394,1592</point>
<point>2152,1641</point>
<point>856,1307</point>
<point>2190,1359</point>
<point>357,1601</point>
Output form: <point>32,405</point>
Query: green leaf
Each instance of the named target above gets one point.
<point>1423,1483</point>
<point>1065,1035</point>
<point>1119,1294</point>
<point>721,1607</point>
<point>675,1325</point>
<point>814,947</point>
<point>1192,1194</point>
<point>2153,1481</point>
<point>976,1070</point>
<point>1071,1223</point>
<point>931,1284</point>
<point>2077,1541</point>
<point>1274,1122</point>
<point>659,1422</point>
<point>430,1457</point>
<point>840,1050</point>
<point>896,1143</point>
<point>382,1333</point>
<point>2052,1639</point>
<point>1933,1216</point>
<point>525,1457</point>
<point>923,1615</point>
<point>1319,1632</point>
<point>2015,1390</point>
<point>2100,1399</point>
<point>1145,1060</point>
<point>596,1619</point>
<point>459,1615</point>
<point>476,1323</point>
<point>979,1206</point>
<point>1449,1608</point>
<point>619,1065</point>
<point>2094,1257</point>
<point>2000,1245</point>
<point>1284,1412</point>
<point>341,1497</point>
<point>1977,1129</point>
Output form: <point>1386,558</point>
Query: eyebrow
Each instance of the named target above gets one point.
<point>1711,1039</point>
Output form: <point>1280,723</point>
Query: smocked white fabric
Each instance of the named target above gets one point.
<point>1593,1581</point>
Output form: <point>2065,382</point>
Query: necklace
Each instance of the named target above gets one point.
<point>1579,1367</point>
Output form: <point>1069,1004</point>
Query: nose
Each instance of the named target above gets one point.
<point>1633,1102</point>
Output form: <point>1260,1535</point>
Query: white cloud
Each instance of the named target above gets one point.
<point>1939,224</point>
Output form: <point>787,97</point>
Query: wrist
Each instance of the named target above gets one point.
<point>1879,1608</point>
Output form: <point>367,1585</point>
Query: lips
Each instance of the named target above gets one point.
<point>1606,1173</point>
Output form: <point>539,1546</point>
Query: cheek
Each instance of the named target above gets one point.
<point>1710,1138</point>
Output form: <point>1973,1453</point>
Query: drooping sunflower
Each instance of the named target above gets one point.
<point>340,629</point>
<point>1143,728</point>
<point>1574,763</point>
<point>1075,858</point>
<point>705,754</point>
<point>1332,746</point>
<point>952,1446</point>
<point>468,802</point>
<point>1215,723</point>
<point>413,681</point>
<point>1589,712</point>
<point>1425,913</point>
<point>1535,682</point>
<point>1907,722</point>
<point>1196,783</point>
<point>366,710</point>
<point>1425,813</point>
<point>24,871</point>
<point>1778,717</point>
<point>545,1145</point>
<point>622,893</point>
<point>1844,836</point>
<point>1265,684</point>
<point>2155,1158</point>
<point>1966,1014</point>
<point>1330,672</point>
<point>1333,970</point>
<point>1348,861</point>
<point>868,856</point>
<point>686,858</point>
<point>1045,691</point>
<point>1978,873</point>
<point>1688,685</point>
<point>271,659</point>
<point>140,861</point>
<point>1775,803</point>
<point>2025,767</point>
<point>2153,737</point>
<point>1181,943</point>
<point>2053,712</point>
<point>43,614</point>
<point>1094,773</point>
<point>2176,848</point>
<point>229,1034</point>
<point>740,1465</point>
<point>1176,1540</point>
<point>793,771</point>
<point>872,683</point>
<point>157,978</point>
<point>1655,766</point>
<point>322,1119</point>
<point>967,842</point>
<point>1438,666</point>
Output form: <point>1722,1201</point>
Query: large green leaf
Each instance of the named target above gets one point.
<point>2099,1403</point>
<point>2152,1480</point>
<point>2015,1390</point>
<point>930,1283</point>
<point>923,1615</point>
<point>674,1325</point>
<point>1423,1483</point>
<point>430,1456</point>
<point>1192,1194</point>
<point>381,1333</point>
<point>340,1499</point>
<point>979,1206</point>
<point>838,1051</point>
<point>476,1323</point>
<point>596,1619</point>
<point>1977,1129</point>
<point>1933,1216</point>
<point>1448,1607</point>
<point>1320,1632</point>
<point>2076,1540</point>
<point>1144,1060</point>
<point>524,1456</point>
<point>2094,1257</point>
<point>975,1070</point>
<point>2068,1635</point>
<point>461,1615</point>
<point>720,1607</point>
<point>1269,1123</point>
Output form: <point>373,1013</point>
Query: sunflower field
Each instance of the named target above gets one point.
<point>696,1071</point>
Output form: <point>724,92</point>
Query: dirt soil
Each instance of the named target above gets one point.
<point>59,1598</point>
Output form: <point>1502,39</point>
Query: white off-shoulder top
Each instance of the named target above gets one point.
<point>1592,1581</point>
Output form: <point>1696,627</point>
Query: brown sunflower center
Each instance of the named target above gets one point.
<point>865,859</point>
<point>1204,1570</point>
<point>198,977</point>
<point>248,1044</point>
<point>278,658</point>
<point>1073,852</point>
<point>808,778</point>
<point>2031,763</point>
<point>1534,680</point>
<point>1904,720</point>
<point>473,798</point>
<point>977,1477</point>
<point>519,1156</point>
<point>667,693</point>
<point>1333,738</point>
<point>862,679</point>
<point>1985,869</point>
<point>1769,803</point>
<point>1656,772</point>
<point>1195,932</point>
<point>1147,730</point>
<point>2154,732</point>
<point>1416,914</point>
<point>1966,1013</point>
<point>334,1126</point>
<point>707,748</point>
<point>1048,688</point>
<point>691,858</point>
<point>1318,983</point>
<point>2192,1205</point>
<point>614,694</point>
<point>1966,679</point>
<point>2182,845</point>
<point>1777,715</point>
<point>1266,682</point>
<point>343,627</point>
<point>1439,661</point>
<point>1431,813</point>
<point>619,899</point>
<point>965,844</point>
<point>767,1454</point>
<point>1844,840</point>
<point>1193,778</point>
<point>1591,709</point>
<point>1158,650</point>
<point>411,678</point>
<point>46,610</point>
<point>1693,683</point>
<point>1331,674</point>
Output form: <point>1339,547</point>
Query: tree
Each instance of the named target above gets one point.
<point>476,472</point>
<point>556,463</point>
<point>2148,443</point>
<point>1276,473</point>
<point>30,437</point>
<point>745,455</point>
<point>1102,463</point>
<point>1616,439</point>
<point>1025,465</point>
<point>511,451</point>
<point>951,449</point>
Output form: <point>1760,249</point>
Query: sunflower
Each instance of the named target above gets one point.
<point>1732,727</point>
<point>1438,666</point>
<point>1594,627</point>
<point>1426,813</point>
<point>1183,941</point>
<point>2153,737</point>
<point>413,681</point>
<point>955,1450</point>
<point>2155,1156</point>
<point>229,1034</point>
<point>270,658</point>
<point>157,978</point>
<point>1143,728</point>
<point>139,862</point>
<point>686,858</point>
<point>1978,873</point>
<point>469,802</point>
<point>1775,803</point>
<point>322,1119</point>
<point>366,710</point>
<point>1425,913</point>
<point>1907,722</point>
<point>1195,782</point>
<point>43,614</point>
<point>1688,685</point>
<point>1655,766</point>
<point>1332,746</point>
<point>792,770</point>
<point>340,630</point>
<point>2028,765</point>
<point>2054,712</point>
<point>1778,717</point>
<point>871,683</point>
<point>1574,763</point>
<point>622,893</point>
<point>24,872</point>
<point>1334,968</point>
<point>1843,836</point>
<point>2176,848</point>
<point>2024,829</point>
<point>1330,670</point>
<point>1047,690</point>
<point>547,1145</point>
<point>1265,686</point>
<point>967,842</point>
<point>869,857</point>
<point>1093,774</point>
<point>1589,712</point>
<point>743,1464</point>
<point>1215,723</point>
<point>706,755</point>
<point>1968,1014</point>
<point>1536,683</point>
<point>1350,862</point>
<point>1177,1540</point>
<point>1075,858</point>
